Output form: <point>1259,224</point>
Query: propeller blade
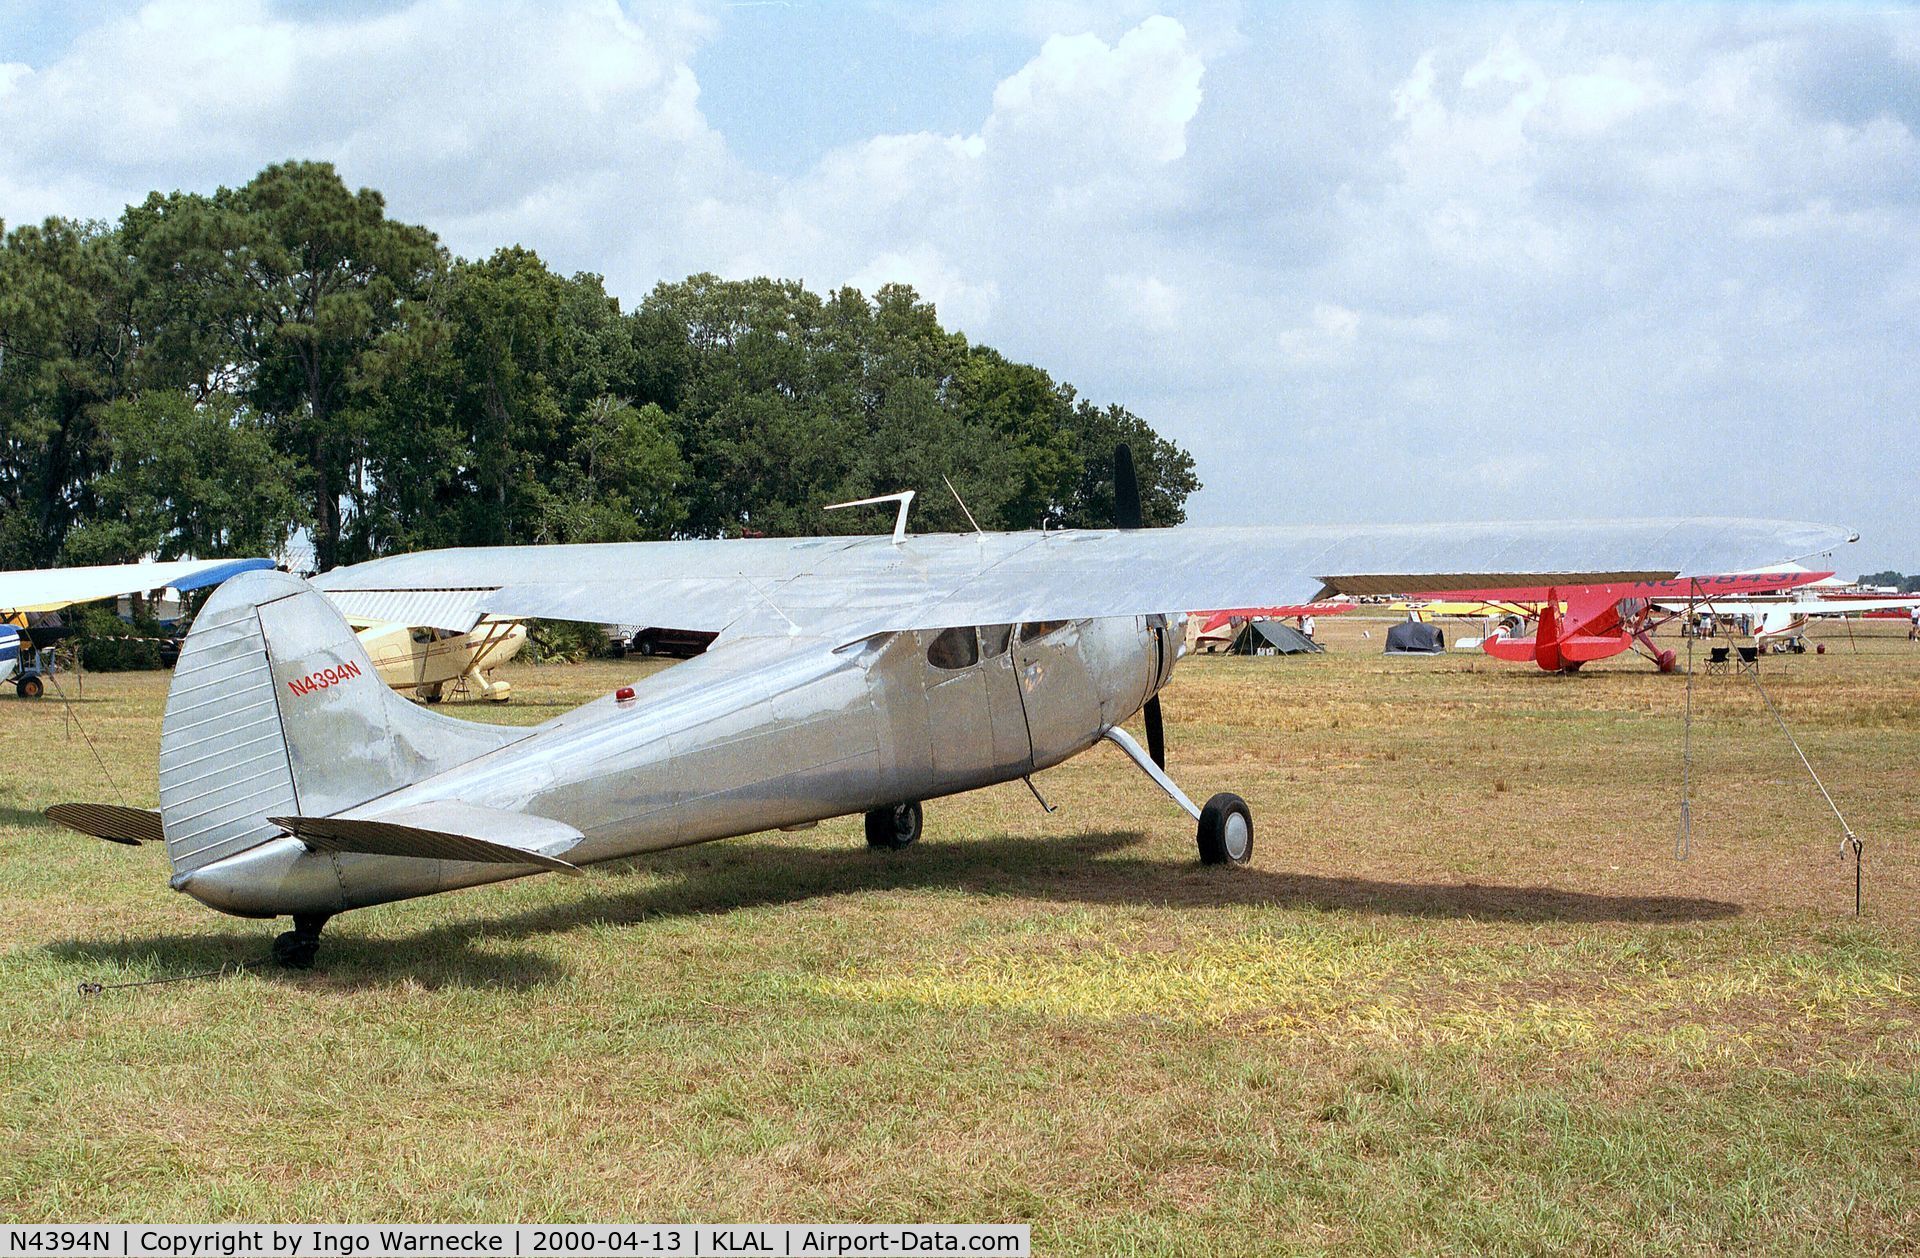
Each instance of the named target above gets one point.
<point>1126,515</point>
<point>1126,489</point>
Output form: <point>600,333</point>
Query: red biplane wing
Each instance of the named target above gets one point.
<point>1331,607</point>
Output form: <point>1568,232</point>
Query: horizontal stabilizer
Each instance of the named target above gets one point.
<point>1583,647</point>
<point>1502,647</point>
<point>443,831</point>
<point>112,822</point>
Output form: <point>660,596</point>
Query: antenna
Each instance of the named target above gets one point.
<point>963,506</point>
<point>904,498</point>
<point>793,625</point>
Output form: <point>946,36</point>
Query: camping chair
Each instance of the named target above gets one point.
<point>1750,660</point>
<point>1718,659</point>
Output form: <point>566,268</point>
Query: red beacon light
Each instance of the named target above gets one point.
<point>623,696</point>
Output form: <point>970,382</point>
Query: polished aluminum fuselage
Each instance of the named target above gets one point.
<point>719,747</point>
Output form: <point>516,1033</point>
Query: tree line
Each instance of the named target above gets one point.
<point>213,373</point>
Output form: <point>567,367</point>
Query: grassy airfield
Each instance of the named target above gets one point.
<point>1465,998</point>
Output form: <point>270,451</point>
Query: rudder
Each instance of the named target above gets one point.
<point>276,710</point>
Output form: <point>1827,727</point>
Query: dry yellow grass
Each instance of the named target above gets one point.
<point>1466,998</point>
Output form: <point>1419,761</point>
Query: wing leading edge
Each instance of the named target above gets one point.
<point>50,589</point>
<point>867,584</point>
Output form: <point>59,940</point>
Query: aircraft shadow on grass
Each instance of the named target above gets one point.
<point>1082,869</point>
<point>26,818</point>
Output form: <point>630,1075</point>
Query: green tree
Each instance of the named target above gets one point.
<point>187,478</point>
<point>411,399</point>
<point>67,347</point>
<point>1165,470</point>
<point>1899,581</point>
<point>295,278</point>
<point>491,417</point>
<point>621,481</point>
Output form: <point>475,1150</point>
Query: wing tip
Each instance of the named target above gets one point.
<point>116,823</point>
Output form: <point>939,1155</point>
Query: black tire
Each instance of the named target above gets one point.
<point>295,951</point>
<point>895,826</point>
<point>647,646</point>
<point>30,687</point>
<point>1226,831</point>
<point>433,693</point>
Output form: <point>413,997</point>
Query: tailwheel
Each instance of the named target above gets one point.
<point>297,948</point>
<point>894,826</point>
<point>1226,831</point>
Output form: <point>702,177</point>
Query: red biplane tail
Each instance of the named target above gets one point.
<point>1588,630</point>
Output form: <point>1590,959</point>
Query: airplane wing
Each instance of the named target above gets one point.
<point>1793,606</point>
<point>858,585</point>
<point>50,589</point>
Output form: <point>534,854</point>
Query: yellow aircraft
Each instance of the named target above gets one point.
<point>427,660</point>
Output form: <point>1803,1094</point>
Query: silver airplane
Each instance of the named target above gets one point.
<point>852,675</point>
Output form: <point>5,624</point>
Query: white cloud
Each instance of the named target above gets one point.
<point>961,302</point>
<point>1327,336</point>
<point>1149,302</point>
<point>1379,258</point>
<point>456,108</point>
<point>1082,102</point>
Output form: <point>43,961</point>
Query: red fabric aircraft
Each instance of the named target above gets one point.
<point>1604,620</point>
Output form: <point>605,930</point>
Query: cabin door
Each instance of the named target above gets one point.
<point>1007,710</point>
<point>1063,703</point>
<point>976,722</point>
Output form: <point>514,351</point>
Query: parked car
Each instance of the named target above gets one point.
<point>679,644</point>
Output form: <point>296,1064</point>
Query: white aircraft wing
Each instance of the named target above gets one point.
<point>50,589</point>
<point>856,585</point>
<point>1793,606</point>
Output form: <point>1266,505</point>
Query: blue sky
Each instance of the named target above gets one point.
<point>1434,262</point>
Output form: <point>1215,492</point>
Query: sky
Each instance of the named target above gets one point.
<point>1403,263</point>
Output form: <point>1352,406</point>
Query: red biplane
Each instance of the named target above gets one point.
<point>1599,621</point>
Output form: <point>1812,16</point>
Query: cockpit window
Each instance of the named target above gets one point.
<point>954,649</point>
<point>1040,629</point>
<point>994,639</point>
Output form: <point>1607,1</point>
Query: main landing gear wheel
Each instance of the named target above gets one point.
<point>297,948</point>
<point>1226,831</point>
<point>30,688</point>
<point>895,826</point>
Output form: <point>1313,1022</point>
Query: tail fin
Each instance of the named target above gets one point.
<point>1548,630</point>
<point>276,710</point>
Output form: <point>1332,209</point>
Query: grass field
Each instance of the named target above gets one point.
<point>1465,998</point>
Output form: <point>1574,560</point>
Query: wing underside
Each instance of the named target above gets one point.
<point>869,584</point>
<point>50,589</point>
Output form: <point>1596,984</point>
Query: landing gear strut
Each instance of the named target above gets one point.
<point>894,826</point>
<point>296,948</point>
<point>1226,824</point>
